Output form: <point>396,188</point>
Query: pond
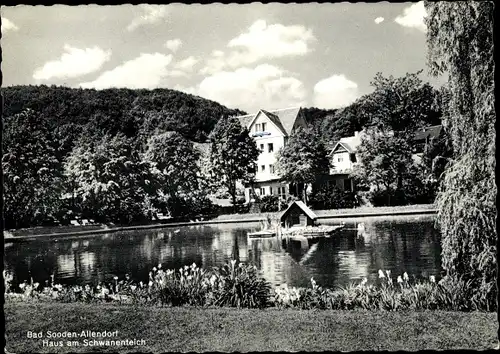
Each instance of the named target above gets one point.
<point>399,243</point>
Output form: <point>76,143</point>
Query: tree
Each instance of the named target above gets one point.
<point>303,159</point>
<point>460,42</point>
<point>385,161</point>
<point>233,155</point>
<point>33,178</point>
<point>111,180</point>
<point>176,161</point>
<point>396,108</point>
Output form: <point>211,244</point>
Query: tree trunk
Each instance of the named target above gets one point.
<point>233,196</point>
<point>305,193</point>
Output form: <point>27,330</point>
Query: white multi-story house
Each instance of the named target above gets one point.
<point>270,129</point>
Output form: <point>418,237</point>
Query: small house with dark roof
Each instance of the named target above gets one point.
<point>298,215</point>
<point>271,130</point>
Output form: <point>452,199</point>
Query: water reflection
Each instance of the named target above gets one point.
<point>398,243</point>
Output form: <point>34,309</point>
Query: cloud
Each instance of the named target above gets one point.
<point>145,71</point>
<point>335,92</point>
<point>379,20</point>
<point>151,14</point>
<point>413,17</point>
<point>186,64</point>
<point>173,44</point>
<point>73,63</point>
<point>262,41</point>
<point>8,25</point>
<point>265,86</point>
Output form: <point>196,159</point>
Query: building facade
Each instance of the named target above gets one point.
<point>271,130</point>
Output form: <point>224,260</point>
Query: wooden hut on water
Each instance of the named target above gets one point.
<point>298,215</point>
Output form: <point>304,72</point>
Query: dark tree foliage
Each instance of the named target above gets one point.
<point>315,117</point>
<point>460,41</point>
<point>233,155</point>
<point>331,197</point>
<point>111,180</point>
<point>303,158</point>
<point>117,110</point>
<point>33,175</point>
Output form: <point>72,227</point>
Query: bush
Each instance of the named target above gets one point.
<point>269,204</point>
<point>331,197</point>
<point>239,286</point>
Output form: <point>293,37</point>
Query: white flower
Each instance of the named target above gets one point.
<point>241,265</point>
<point>35,286</point>
<point>98,287</point>
<point>159,265</point>
<point>133,287</point>
<point>405,276</point>
<point>388,272</point>
<point>115,277</point>
<point>400,280</point>
<point>193,266</point>
<point>313,282</point>
<point>432,279</point>
<point>22,286</point>
<point>150,283</point>
<point>233,262</point>
<point>186,267</point>
<point>141,284</point>
<point>381,273</point>
<point>154,269</point>
<point>364,281</point>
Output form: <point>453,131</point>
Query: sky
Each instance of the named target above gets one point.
<point>251,57</point>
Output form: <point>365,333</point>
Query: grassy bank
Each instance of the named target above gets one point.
<point>337,212</point>
<point>190,329</point>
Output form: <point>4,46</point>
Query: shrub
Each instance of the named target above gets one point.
<point>269,204</point>
<point>239,286</point>
<point>331,197</point>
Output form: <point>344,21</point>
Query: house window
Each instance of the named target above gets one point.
<point>270,147</point>
<point>262,191</point>
<point>270,190</point>
<point>262,168</point>
<point>257,127</point>
<point>353,158</point>
<point>271,169</point>
<point>281,192</point>
<point>340,159</point>
<point>262,147</point>
<point>263,127</point>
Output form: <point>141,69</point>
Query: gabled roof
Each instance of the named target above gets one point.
<point>283,118</point>
<point>303,207</point>
<point>428,132</point>
<point>276,120</point>
<point>350,143</point>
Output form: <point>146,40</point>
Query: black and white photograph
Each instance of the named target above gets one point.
<point>302,177</point>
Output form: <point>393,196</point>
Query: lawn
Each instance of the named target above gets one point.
<point>228,329</point>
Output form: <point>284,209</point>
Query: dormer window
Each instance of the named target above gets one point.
<point>263,127</point>
<point>257,128</point>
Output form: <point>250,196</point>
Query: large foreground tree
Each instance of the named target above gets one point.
<point>303,159</point>
<point>33,174</point>
<point>460,41</point>
<point>233,155</point>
